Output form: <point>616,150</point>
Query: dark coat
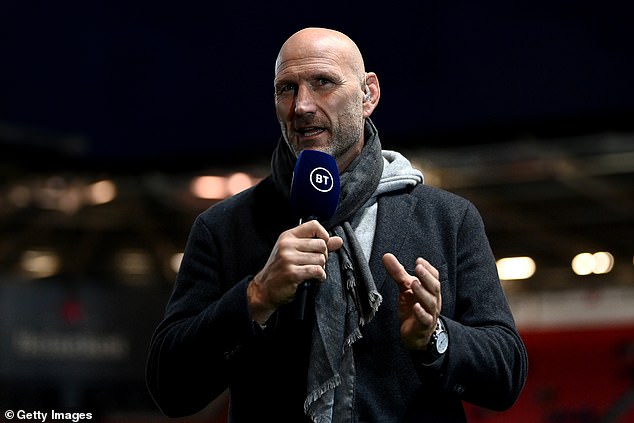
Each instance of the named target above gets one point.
<point>207,341</point>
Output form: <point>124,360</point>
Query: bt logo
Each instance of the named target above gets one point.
<point>321,179</point>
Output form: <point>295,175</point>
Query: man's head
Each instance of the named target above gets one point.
<point>323,94</point>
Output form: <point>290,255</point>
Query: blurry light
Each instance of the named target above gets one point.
<point>133,262</point>
<point>604,262</point>
<point>101,192</point>
<point>175,262</point>
<point>55,183</point>
<point>48,196</point>
<point>513,268</point>
<point>209,187</point>
<point>238,182</point>
<point>69,201</point>
<point>20,196</point>
<point>40,263</point>
<point>582,264</point>
<point>598,263</point>
<point>433,178</point>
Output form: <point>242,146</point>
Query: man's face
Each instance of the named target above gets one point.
<point>319,101</point>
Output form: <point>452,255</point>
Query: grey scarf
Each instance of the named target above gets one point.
<point>349,298</point>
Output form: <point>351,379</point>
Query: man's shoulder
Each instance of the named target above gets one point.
<point>259,204</point>
<point>433,202</point>
<point>429,193</point>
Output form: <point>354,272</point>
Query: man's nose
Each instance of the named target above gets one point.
<point>304,100</point>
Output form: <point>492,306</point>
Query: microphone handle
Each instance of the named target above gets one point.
<point>302,298</point>
<point>302,290</point>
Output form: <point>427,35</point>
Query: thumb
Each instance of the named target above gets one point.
<point>334,243</point>
<point>396,270</point>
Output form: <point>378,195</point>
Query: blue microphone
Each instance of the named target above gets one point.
<point>314,196</point>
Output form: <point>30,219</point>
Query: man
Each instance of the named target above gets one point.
<point>408,318</point>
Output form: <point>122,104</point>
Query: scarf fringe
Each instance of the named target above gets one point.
<point>375,301</point>
<point>352,338</point>
<point>313,396</point>
<point>320,419</point>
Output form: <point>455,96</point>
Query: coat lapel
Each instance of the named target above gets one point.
<point>391,234</point>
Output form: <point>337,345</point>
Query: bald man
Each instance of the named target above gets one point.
<point>407,318</point>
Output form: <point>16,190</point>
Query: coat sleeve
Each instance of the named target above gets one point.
<point>206,322</point>
<point>486,363</point>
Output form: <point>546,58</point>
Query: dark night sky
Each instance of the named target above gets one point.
<point>151,80</point>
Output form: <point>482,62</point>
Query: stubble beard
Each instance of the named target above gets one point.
<point>344,136</point>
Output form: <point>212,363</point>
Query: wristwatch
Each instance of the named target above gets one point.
<point>439,340</point>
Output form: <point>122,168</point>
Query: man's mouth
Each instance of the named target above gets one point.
<point>310,131</point>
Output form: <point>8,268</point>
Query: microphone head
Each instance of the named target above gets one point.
<point>315,186</point>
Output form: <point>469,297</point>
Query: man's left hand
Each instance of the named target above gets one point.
<point>419,300</point>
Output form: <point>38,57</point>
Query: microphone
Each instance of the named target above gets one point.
<point>314,196</point>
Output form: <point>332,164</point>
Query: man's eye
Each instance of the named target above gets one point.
<point>285,89</point>
<point>322,82</point>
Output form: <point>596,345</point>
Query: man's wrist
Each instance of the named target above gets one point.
<point>438,341</point>
<point>259,311</point>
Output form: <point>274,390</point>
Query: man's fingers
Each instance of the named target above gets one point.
<point>428,267</point>
<point>430,290</point>
<point>311,229</point>
<point>428,275</point>
<point>396,270</point>
<point>311,272</point>
<point>314,230</point>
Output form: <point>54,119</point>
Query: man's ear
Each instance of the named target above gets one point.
<point>372,94</point>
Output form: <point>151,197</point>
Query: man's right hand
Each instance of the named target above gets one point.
<point>299,254</point>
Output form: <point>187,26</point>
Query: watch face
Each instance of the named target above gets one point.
<point>442,342</point>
